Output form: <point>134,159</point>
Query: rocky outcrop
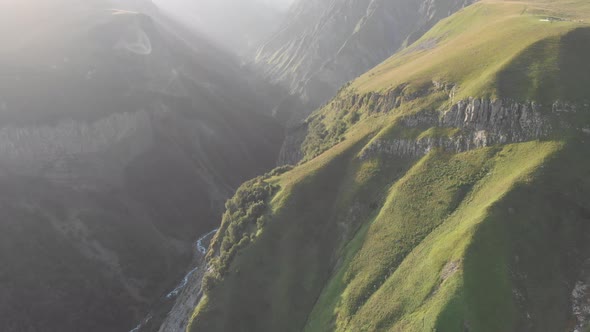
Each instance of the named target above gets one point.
<point>503,121</point>
<point>59,152</point>
<point>480,123</point>
<point>290,153</point>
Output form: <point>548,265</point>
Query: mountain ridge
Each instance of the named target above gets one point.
<point>322,45</point>
<point>432,191</point>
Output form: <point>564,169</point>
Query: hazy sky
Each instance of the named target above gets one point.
<point>236,24</point>
<point>280,4</point>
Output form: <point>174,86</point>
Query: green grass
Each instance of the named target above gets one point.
<point>481,47</point>
<point>302,237</point>
<point>245,216</point>
<point>428,244</point>
<point>390,281</point>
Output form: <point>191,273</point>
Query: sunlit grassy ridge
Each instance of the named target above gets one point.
<point>397,279</point>
<point>485,45</point>
<point>438,242</point>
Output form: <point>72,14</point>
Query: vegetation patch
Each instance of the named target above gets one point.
<point>392,275</point>
<point>244,218</point>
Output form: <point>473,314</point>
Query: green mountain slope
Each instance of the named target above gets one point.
<point>444,190</point>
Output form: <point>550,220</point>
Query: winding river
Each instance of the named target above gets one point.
<point>201,250</point>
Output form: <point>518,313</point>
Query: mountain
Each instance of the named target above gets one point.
<point>446,189</point>
<point>121,137</point>
<point>321,45</point>
<point>236,25</point>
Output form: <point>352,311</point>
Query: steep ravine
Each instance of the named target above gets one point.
<point>121,136</point>
<point>190,294</point>
<point>182,300</point>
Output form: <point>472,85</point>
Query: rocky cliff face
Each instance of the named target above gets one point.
<point>324,44</point>
<point>480,123</point>
<point>457,126</point>
<point>52,151</point>
<point>290,153</point>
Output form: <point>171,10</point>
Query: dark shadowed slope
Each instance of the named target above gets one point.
<point>119,142</point>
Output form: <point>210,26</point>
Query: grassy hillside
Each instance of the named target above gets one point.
<point>512,49</point>
<point>410,268</point>
<point>389,224</point>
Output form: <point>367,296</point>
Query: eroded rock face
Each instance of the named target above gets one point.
<point>124,194</point>
<point>178,317</point>
<point>480,123</point>
<point>53,151</point>
<point>290,153</point>
<point>504,120</point>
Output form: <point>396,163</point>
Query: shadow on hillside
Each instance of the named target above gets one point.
<point>529,254</point>
<point>556,68</point>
